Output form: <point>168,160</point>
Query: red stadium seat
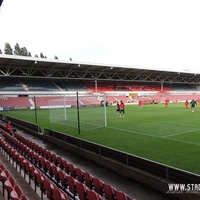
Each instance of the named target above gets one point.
<point>82,190</point>
<point>48,187</point>
<point>36,159</point>
<point>13,155</point>
<point>109,191</point>
<point>40,151</point>
<point>120,195</point>
<point>31,155</point>
<point>54,172</point>
<point>3,177</point>
<point>65,166</point>
<point>128,197</point>
<point>92,195</point>
<point>18,190</point>
<point>53,159</point>
<point>23,197</point>
<point>88,179</point>
<point>7,149</point>
<point>39,180</point>
<point>58,194</point>
<point>9,185</point>
<point>42,162</point>
<point>47,167</point>
<point>31,173</point>
<point>98,185</point>
<point>20,161</point>
<point>48,155</point>
<point>2,167</point>
<point>26,167</point>
<point>71,182</point>
<point>71,169</point>
<point>14,195</point>
<point>60,162</point>
<point>62,177</point>
<point>79,174</point>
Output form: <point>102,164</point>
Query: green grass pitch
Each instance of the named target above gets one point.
<point>170,136</point>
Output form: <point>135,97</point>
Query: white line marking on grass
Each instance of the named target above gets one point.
<point>139,133</point>
<point>164,122</point>
<point>182,141</point>
<point>180,133</point>
<point>126,130</point>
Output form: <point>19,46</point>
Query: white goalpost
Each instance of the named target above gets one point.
<point>85,112</point>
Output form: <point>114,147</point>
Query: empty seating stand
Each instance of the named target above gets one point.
<point>35,177</point>
<point>10,188</point>
<point>63,178</point>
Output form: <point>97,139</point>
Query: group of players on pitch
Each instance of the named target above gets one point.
<point>120,107</point>
<point>192,103</point>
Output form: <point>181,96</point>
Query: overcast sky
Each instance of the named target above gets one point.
<point>163,34</point>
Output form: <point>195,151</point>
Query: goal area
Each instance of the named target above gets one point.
<point>85,112</point>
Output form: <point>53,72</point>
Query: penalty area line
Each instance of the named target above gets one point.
<point>136,132</point>
<point>193,143</point>
<point>180,133</point>
<point>166,138</point>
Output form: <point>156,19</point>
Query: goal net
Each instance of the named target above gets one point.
<point>84,112</point>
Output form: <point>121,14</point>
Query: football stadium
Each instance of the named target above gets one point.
<point>73,106</point>
<point>75,130</point>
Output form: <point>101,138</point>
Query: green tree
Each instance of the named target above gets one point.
<point>8,49</point>
<point>24,51</point>
<point>17,50</point>
<point>42,55</point>
<point>21,51</point>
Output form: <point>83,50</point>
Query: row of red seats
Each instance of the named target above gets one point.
<point>14,191</point>
<point>46,161</point>
<point>46,186</point>
<point>91,182</point>
<point>51,171</point>
<point>15,102</point>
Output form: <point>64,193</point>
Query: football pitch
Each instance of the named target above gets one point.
<point>170,136</point>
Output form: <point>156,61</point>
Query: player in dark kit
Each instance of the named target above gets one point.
<point>193,103</point>
<point>118,108</point>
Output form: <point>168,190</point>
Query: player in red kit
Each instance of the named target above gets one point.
<point>122,109</point>
<point>186,104</point>
<point>166,103</point>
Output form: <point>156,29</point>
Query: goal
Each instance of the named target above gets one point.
<point>84,112</point>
